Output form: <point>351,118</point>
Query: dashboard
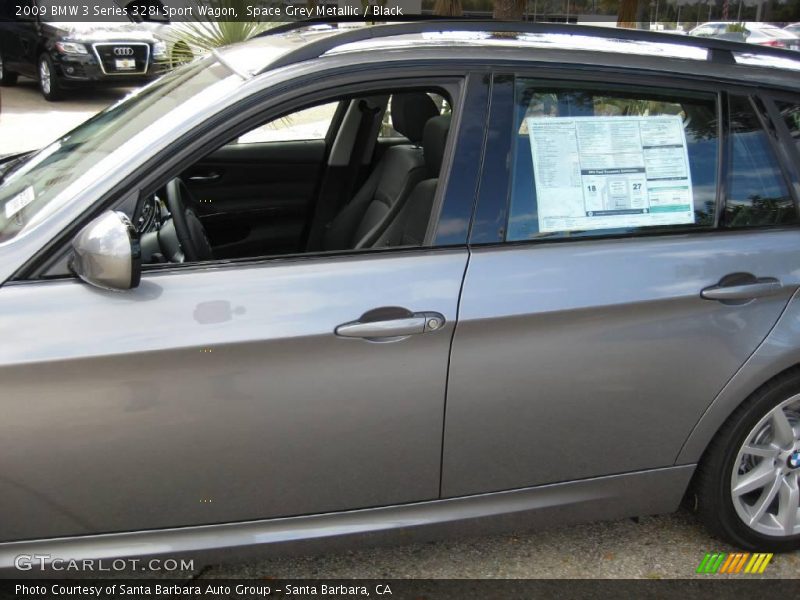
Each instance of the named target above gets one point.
<point>149,215</point>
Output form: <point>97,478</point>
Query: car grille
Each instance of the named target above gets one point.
<point>110,54</point>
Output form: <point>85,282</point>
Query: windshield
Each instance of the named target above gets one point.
<point>28,187</point>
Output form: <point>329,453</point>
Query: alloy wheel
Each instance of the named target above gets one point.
<point>44,76</point>
<point>764,481</point>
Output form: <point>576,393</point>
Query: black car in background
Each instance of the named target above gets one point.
<point>63,55</point>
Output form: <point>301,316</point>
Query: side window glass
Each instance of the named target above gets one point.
<point>757,192</point>
<point>387,129</point>
<point>309,124</point>
<point>589,162</point>
<point>791,116</point>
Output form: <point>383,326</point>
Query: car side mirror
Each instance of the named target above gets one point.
<point>106,253</point>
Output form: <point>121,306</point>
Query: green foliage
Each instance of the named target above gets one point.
<point>186,39</point>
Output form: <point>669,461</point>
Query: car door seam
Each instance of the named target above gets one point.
<point>447,373</point>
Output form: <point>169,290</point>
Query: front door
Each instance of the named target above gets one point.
<point>212,395</point>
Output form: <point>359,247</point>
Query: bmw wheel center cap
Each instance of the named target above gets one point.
<point>794,459</point>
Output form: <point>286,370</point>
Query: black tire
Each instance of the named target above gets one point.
<point>55,92</point>
<point>7,78</point>
<point>712,482</point>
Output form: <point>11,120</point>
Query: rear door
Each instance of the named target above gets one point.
<point>254,195</point>
<point>618,278</point>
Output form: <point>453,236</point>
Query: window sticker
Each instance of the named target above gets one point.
<point>20,201</point>
<point>610,172</point>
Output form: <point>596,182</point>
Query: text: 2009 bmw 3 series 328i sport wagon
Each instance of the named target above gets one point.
<point>407,279</point>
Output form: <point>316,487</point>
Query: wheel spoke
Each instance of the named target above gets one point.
<point>788,503</point>
<point>782,431</point>
<point>761,506</point>
<point>759,477</point>
<point>763,451</point>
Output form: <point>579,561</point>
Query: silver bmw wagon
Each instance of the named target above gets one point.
<point>392,282</point>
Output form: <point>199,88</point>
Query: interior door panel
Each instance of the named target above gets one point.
<point>254,199</point>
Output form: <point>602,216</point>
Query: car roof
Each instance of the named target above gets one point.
<point>490,41</point>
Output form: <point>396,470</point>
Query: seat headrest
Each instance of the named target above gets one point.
<point>434,141</point>
<point>410,112</point>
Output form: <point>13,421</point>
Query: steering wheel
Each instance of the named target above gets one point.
<point>190,231</point>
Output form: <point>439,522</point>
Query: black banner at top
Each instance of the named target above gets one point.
<point>668,15</point>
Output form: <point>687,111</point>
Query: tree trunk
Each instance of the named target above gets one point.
<point>509,10</point>
<point>448,8</point>
<point>628,12</point>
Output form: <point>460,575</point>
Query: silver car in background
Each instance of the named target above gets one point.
<point>752,32</point>
<point>406,280</point>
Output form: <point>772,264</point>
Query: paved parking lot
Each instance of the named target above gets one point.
<point>655,547</point>
<point>28,121</point>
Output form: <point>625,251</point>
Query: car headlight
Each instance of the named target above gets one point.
<point>71,48</point>
<point>160,49</point>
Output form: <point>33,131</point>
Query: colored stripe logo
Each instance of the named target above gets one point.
<point>737,562</point>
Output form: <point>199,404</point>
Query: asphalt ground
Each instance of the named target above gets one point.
<point>28,121</point>
<point>661,547</point>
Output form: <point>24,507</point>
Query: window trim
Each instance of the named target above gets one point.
<point>724,157</point>
<point>770,127</point>
<point>324,138</point>
<point>453,85</point>
<point>490,217</point>
<point>762,116</point>
<point>458,207</point>
<point>676,84</point>
<point>292,96</point>
<point>492,207</point>
<point>788,148</point>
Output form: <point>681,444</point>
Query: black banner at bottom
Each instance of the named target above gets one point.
<point>394,589</point>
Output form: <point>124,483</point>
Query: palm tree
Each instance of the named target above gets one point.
<point>188,38</point>
<point>628,14</point>
<point>509,10</point>
<point>448,8</point>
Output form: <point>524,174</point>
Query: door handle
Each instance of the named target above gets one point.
<point>392,328</point>
<point>757,288</point>
<point>213,176</point>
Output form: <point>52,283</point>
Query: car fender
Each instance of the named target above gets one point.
<point>779,351</point>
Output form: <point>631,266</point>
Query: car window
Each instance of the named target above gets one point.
<point>710,29</point>
<point>757,193</point>
<point>309,124</point>
<point>28,188</point>
<point>387,129</point>
<point>791,116</point>
<point>603,162</point>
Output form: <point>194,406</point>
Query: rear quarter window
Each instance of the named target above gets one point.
<point>758,194</point>
<point>791,116</point>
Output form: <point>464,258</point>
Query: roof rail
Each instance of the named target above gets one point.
<point>719,51</point>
